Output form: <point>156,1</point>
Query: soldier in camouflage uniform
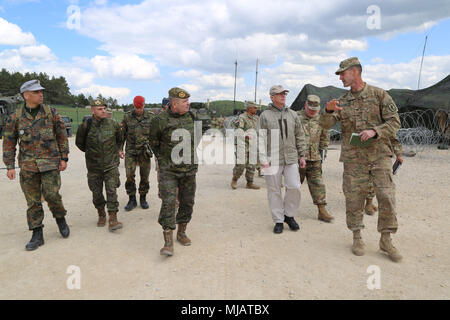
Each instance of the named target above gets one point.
<point>135,130</point>
<point>317,141</point>
<point>372,114</point>
<point>175,173</point>
<point>43,153</point>
<point>101,139</point>
<point>370,207</point>
<point>248,122</point>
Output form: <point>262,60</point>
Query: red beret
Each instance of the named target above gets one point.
<point>138,101</point>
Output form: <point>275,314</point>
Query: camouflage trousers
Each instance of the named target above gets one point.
<point>111,179</point>
<point>171,183</point>
<point>357,176</point>
<point>238,169</point>
<point>131,161</point>
<point>313,174</point>
<point>37,184</point>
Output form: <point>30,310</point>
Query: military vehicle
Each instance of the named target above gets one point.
<point>202,112</point>
<point>8,105</point>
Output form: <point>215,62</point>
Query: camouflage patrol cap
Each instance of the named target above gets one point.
<point>248,104</point>
<point>98,103</point>
<point>313,102</point>
<point>347,63</point>
<point>32,85</point>
<point>178,93</point>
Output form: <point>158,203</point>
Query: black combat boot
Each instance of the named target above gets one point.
<point>131,204</point>
<point>63,227</point>
<point>143,201</point>
<point>37,239</point>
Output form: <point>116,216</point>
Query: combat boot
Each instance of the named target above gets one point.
<point>167,250</point>
<point>387,246</point>
<point>143,201</point>
<point>132,203</point>
<point>113,223</point>
<point>63,227</point>
<point>181,235</point>
<point>234,184</point>
<point>323,214</point>
<point>101,217</point>
<point>370,208</point>
<point>37,239</point>
<point>251,185</point>
<point>358,247</point>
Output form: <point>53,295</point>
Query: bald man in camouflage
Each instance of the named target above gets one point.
<point>371,113</point>
<point>317,141</point>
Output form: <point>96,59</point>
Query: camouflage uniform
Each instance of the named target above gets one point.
<point>246,122</point>
<point>135,132</point>
<point>317,139</point>
<point>42,144</point>
<point>101,145</point>
<point>174,175</point>
<point>371,108</point>
<point>398,150</point>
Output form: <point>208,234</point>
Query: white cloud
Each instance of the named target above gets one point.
<point>11,34</point>
<point>95,89</point>
<point>125,67</point>
<point>37,53</point>
<point>11,60</point>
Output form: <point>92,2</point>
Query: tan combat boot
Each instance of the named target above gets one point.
<point>101,217</point>
<point>370,208</point>
<point>251,185</point>
<point>234,184</point>
<point>358,247</point>
<point>387,246</point>
<point>323,214</point>
<point>181,235</point>
<point>167,250</point>
<point>113,223</point>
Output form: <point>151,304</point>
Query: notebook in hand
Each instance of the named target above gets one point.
<point>355,140</point>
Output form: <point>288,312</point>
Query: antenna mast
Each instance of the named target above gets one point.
<point>421,63</point>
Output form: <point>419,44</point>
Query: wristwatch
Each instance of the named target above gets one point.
<point>65,159</point>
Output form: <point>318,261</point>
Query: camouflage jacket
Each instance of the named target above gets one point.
<point>42,140</point>
<point>102,144</point>
<point>247,122</point>
<point>291,144</point>
<point>135,131</point>
<point>164,137</point>
<point>373,109</point>
<point>317,138</point>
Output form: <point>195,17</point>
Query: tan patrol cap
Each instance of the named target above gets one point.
<point>313,102</point>
<point>277,89</point>
<point>178,93</point>
<point>347,63</point>
<point>248,104</point>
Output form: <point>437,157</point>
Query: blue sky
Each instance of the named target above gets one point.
<point>128,48</point>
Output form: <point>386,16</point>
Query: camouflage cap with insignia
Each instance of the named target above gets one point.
<point>178,93</point>
<point>313,102</point>
<point>347,63</point>
<point>248,104</point>
<point>98,103</point>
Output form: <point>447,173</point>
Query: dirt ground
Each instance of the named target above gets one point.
<point>234,253</point>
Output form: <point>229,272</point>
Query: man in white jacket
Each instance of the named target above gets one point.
<point>282,149</point>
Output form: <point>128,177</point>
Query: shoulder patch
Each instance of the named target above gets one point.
<point>392,107</point>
